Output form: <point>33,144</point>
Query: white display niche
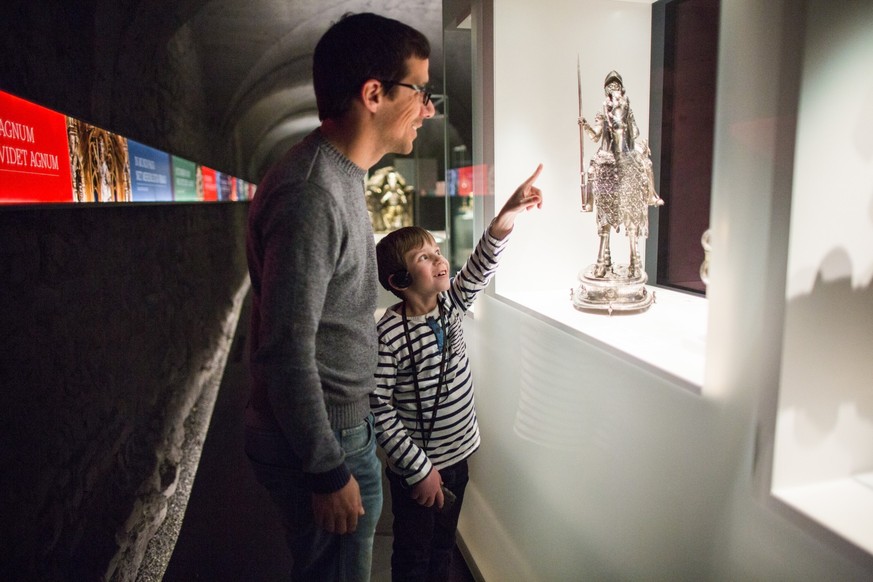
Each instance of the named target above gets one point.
<point>535,120</point>
<point>823,446</point>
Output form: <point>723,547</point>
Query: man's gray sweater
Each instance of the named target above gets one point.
<point>312,263</point>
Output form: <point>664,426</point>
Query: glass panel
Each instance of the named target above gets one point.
<point>406,190</point>
<point>459,136</point>
<point>684,59</point>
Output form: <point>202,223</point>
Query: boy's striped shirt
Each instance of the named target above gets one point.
<point>455,433</point>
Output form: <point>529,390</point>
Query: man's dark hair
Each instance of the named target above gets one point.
<point>357,48</point>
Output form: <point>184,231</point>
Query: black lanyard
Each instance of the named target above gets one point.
<point>425,436</point>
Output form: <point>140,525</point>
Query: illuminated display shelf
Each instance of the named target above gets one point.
<point>668,339</point>
<point>843,505</point>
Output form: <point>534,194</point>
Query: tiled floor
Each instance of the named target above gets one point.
<point>230,531</point>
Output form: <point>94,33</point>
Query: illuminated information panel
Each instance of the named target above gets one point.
<point>48,158</point>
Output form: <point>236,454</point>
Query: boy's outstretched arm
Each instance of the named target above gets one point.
<point>524,198</point>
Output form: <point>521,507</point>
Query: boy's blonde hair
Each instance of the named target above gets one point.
<point>391,252</point>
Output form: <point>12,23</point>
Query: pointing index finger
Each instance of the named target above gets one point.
<point>533,177</point>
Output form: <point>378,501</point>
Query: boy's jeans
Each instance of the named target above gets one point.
<point>317,554</point>
<point>424,537</point>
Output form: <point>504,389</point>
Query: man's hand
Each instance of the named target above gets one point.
<point>338,512</point>
<point>427,491</point>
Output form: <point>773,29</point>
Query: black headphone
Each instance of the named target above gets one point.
<point>401,279</point>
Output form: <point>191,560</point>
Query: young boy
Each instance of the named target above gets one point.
<point>423,403</point>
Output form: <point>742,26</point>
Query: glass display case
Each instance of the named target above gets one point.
<point>439,167</point>
<point>533,99</point>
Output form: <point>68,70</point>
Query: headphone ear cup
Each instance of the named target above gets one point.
<point>401,279</point>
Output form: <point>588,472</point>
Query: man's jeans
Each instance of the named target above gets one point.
<point>317,554</point>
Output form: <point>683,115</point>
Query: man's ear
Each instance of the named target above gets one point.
<point>372,95</point>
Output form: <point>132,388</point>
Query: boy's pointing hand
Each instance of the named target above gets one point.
<point>525,197</point>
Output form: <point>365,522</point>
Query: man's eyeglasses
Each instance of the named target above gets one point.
<point>425,94</point>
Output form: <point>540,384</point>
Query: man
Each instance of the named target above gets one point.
<point>309,431</point>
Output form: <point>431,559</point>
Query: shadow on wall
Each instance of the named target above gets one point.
<point>827,369</point>
<point>113,318</point>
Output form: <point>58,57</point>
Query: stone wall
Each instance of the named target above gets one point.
<point>113,321</point>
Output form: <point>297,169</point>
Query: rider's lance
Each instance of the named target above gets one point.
<point>586,197</point>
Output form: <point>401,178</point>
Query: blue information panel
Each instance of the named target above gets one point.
<point>150,175</point>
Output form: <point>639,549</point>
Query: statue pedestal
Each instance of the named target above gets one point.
<point>616,291</point>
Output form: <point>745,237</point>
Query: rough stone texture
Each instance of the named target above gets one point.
<point>113,322</point>
<point>162,543</point>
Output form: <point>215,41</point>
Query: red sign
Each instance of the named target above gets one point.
<point>465,181</point>
<point>210,184</point>
<point>34,156</point>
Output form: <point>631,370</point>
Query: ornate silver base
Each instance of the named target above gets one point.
<point>617,291</point>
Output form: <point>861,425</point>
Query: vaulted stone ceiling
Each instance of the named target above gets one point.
<point>256,59</point>
<point>224,82</point>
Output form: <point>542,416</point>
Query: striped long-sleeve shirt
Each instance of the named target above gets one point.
<point>455,432</point>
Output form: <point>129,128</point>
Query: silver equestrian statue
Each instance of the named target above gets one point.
<point>619,182</point>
